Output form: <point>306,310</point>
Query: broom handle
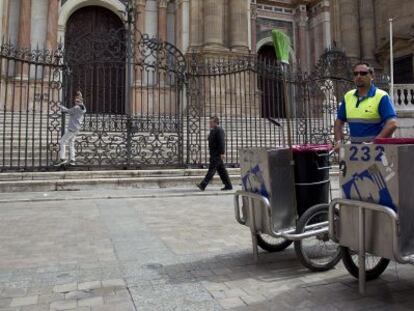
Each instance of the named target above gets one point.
<point>287,107</point>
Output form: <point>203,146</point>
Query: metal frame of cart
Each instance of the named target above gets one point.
<point>319,230</point>
<point>374,220</point>
<point>283,189</point>
<point>391,236</point>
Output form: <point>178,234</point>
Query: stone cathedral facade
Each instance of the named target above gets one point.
<point>149,102</point>
<point>361,29</point>
<point>208,26</point>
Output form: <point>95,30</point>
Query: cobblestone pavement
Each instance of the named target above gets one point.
<point>166,253</point>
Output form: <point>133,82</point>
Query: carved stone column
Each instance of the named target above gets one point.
<point>367,30</point>
<point>185,25</point>
<point>213,24</point>
<point>2,16</point>
<point>301,40</point>
<point>178,24</point>
<point>23,40</point>
<point>196,23</point>
<point>350,28</point>
<point>253,19</point>
<point>52,24</point>
<point>239,25</point>
<point>326,24</point>
<point>162,19</point>
<point>140,15</point>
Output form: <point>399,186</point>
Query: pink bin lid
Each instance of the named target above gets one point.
<point>394,141</point>
<point>307,148</point>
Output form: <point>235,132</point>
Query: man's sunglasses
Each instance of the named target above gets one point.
<point>361,73</point>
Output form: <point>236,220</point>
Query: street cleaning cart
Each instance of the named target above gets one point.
<point>374,222</point>
<point>285,199</point>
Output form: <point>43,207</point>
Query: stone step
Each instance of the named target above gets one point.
<point>74,174</point>
<point>251,128</point>
<point>81,180</point>
<point>149,182</point>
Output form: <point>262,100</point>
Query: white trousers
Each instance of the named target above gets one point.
<point>68,139</point>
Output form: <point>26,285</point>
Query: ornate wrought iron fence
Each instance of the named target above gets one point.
<point>149,106</point>
<point>30,93</point>
<point>257,102</point>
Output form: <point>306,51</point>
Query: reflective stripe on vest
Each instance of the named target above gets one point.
<point>365,139</point>
<point>367,110</point>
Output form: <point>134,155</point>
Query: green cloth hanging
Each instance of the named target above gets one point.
<point>282,44</point>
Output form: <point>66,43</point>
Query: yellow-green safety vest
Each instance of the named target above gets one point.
<point>367,110</point>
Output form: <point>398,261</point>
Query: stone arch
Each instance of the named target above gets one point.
<point>269,41</point>
<point>71,6</point>
<point>263,42</point>
<point>95,53</point>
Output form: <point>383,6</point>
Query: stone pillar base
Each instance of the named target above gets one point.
<point>219,53</point>
<point>240,49</point>
<point>214,48</point>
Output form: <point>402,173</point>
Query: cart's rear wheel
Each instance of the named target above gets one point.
<point>317,253</point>
<point>271,244</point>
<point>375,266</point>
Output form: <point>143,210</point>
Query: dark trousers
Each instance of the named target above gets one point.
<point>216,164</point>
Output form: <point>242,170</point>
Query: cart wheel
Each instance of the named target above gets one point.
<point>375,266</point>
<point>271,244</point>
<point>317,253</point>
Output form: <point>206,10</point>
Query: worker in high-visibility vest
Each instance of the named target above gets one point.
<point>368,110</point>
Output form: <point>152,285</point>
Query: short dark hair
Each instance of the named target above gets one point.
<point>370,69</point>
<point>215,119</point>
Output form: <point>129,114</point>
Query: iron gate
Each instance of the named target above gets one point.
<point>134,92</point>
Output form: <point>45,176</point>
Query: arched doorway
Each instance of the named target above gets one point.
<point>95,53</point>
<point>271,85</point>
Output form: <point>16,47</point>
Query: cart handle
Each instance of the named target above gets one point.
<point>337,204</point>
<point>288,234</point>
<point>251,196</point>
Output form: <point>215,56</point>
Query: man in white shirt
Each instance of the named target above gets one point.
<point>75,122</point>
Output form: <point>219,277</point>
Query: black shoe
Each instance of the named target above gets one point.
<point>199,186</point>
<point>226,188</point>
<point>72,163</point>
<point>61,162</point>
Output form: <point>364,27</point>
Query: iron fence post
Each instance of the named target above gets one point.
<point>130,20</point>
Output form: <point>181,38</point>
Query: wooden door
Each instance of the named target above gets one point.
<point>95,53</point>
<point>271,86</point>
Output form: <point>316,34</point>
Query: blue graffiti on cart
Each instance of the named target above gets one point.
<point>369,186</point>
<point>253,181</point>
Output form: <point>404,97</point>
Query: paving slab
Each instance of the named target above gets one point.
<point>173,250</point>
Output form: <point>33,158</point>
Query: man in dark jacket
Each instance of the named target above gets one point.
<point>216,145</point>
